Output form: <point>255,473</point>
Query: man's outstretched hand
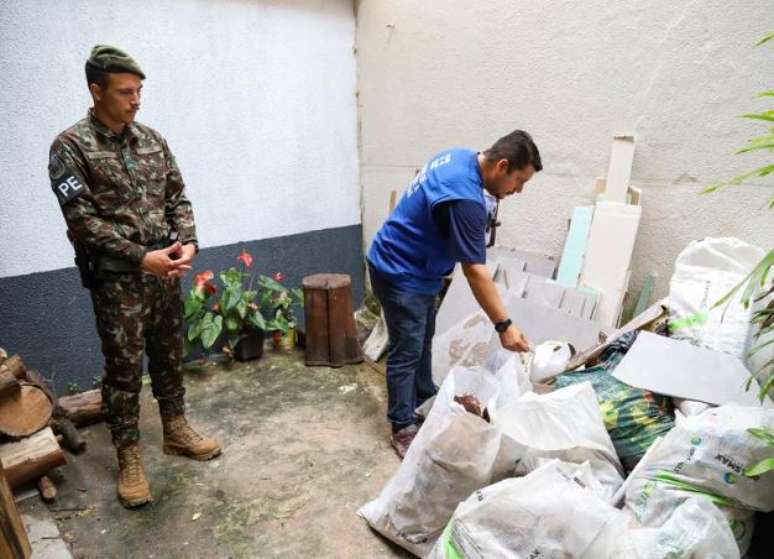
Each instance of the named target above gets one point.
<point>514,340</point>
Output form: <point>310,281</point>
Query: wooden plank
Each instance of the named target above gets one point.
<point>14,542</point>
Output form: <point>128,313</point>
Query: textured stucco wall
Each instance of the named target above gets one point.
<point>256,99</point>
<point>675,74</point>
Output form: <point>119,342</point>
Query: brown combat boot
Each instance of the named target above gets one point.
<point>181,439</point>
<point>133,488</point>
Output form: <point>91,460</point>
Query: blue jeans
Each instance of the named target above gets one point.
<point>410,319</point>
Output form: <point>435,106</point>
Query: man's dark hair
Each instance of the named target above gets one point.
<point>518,148</point>
<point>95,75</point>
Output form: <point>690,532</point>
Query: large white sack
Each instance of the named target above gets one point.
<point>549,513</point>
<point>703,457</point>
<point>565,424</point>
<point>453,454</point>
<point>708,453</point>
<point>695,529</point>
<point>704,273</point>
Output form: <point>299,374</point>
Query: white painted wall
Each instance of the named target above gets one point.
<point>675,74</point>
<point>256,99</point>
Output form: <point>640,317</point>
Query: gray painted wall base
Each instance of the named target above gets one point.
<point>47,317</point>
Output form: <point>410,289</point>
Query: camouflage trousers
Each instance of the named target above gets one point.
<point>139,313</point>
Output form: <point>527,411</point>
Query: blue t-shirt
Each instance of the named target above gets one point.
<point>411,249</point>
<point>463,224</point>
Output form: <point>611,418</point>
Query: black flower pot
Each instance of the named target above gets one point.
<point>250,347</point>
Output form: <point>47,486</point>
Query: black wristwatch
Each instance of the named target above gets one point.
<point>503,325</point>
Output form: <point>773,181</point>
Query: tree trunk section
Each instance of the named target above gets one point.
<point>31,458</point>
<point>84,408</point>
<point>25,413</point>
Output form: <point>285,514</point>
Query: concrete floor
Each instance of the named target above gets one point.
<point>304,448</point>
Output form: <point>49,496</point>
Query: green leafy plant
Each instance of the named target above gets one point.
<point>754,286</point>
<point>767,464</point>
<point>244,301</point>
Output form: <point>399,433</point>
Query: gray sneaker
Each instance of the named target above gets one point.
<point>402,439</point>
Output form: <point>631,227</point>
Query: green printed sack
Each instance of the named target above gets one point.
<point>634,418</point>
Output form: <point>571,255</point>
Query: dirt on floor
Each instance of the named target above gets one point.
<point>304,448</point>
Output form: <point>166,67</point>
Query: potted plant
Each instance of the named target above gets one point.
<point>281,300</point>
<point>236,310</point>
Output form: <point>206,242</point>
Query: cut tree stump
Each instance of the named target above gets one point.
<point>26,412</point>
<point>14,542</point>
<point>83,409</point>
<point>8,384</point>
<point>31,458</point>
<point>331,333</point>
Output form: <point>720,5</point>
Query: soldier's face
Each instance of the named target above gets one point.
<point>121,99</point>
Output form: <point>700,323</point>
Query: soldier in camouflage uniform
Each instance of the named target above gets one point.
<point>121,193</point>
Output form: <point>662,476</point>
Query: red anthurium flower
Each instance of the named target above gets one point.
<point>202,278</point>
<point>245,258</point>
<point>279,276</point>
<point>209,288</point>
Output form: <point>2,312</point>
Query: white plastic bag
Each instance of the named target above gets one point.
<point>510,369</point>
<point>695,529</point>
<point>708,453</point>
<point>705,272</point>
<point>453,454</point>
<point>550,359</point>
<point>548,514</point>
<point>703,457</point>
<point>469,343</point>
<point>565,424</point>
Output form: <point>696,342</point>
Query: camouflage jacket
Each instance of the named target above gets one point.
<point>119,194</point>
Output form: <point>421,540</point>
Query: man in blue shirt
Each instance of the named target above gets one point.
<point>441,220</point>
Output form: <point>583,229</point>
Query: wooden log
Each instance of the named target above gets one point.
<point>14,542</point>
<point>16,366</point>
<point>71,438</point>
<point>30,458</point>
<point>331,333</point>
<point>8,384</point>
<point>26,412</point>
<point>84,408</point>
<point>47,489</point>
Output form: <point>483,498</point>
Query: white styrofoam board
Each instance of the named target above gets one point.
<point>619,172</point>
<point>681,370</point>
<point>608,255</point>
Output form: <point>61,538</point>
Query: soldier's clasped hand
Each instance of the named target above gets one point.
<point>159,262</point>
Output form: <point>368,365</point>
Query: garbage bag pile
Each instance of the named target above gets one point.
<point>540,476</point>
<point>556,463</point>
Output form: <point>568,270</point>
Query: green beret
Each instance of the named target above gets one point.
<point>113,60</point>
